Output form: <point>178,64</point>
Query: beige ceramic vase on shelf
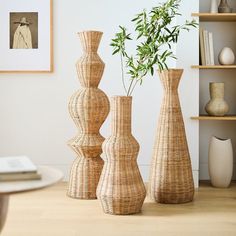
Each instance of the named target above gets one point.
<point>121,190</point>
<point>171,179</point>
<point>217,106</point>
<point>88,107</point>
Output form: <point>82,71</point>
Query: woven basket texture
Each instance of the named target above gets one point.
<point>171,179</point>
<point>121,190</point>
<point>88,107</point>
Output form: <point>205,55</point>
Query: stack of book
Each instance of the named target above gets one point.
<point>206,48</point>
<point>18,168</point>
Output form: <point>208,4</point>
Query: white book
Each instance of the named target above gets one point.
<point>206,47</point>
<point>211,48</point>
<point>202,49</point>
<point>17,164</point>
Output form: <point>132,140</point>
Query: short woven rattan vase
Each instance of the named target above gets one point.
<point>88,107</point>
<point>171,179</point>
<point>121,189</point>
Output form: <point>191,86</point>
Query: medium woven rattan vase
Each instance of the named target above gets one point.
<point>121,189</point>
<point>171,179</point>
<point>88,107</point>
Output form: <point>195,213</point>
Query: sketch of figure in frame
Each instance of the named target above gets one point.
<point>24,30</point>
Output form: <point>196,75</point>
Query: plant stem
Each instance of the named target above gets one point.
<point>137,80</point>
<point>133,87</point>
<point>122,72</point>
<point>128,94</point>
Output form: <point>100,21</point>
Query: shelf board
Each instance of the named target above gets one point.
<point>206,117</point>
<point>214,67</point>
<point>215,17</point>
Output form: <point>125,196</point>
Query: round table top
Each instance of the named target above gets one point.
<point>50,176</point>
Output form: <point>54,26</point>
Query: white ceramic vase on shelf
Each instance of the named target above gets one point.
<point>220,162</point>
<point>214,6</point>
<point>226,56</point>
<point>217,106</point>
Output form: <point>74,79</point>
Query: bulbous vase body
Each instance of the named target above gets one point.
<point>220,162</point>
<point>217,106</point>
<point>88,107</point>
<point>121,190</point>
<point>171,179</point>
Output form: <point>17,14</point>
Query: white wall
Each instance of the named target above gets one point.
<point>187,53</point>
<point>224,34</point>
<point>34,118</point>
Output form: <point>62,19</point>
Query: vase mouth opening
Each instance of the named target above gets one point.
<point>221,139</point>
<point>172,69</point>
<point>90,32</point>
<point>120,96</point>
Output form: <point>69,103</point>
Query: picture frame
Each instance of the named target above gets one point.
<point>26,42</point>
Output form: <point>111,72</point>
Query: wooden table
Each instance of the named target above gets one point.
<point>50,176</point>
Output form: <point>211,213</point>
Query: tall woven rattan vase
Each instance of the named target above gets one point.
<point>171,179</point>
<point>88,107</point>
<point>121,189</point>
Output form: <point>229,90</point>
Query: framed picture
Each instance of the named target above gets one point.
<point>26,42</point>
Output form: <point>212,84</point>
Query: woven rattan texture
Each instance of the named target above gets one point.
<point>121,189</point>
<point>88,107</point>
<point>171,179</point>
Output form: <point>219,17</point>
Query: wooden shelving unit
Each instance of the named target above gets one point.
<point>220,17</point>
<point>220,118</point>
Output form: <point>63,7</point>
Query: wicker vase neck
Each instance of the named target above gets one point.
<point>170,79</point>
<point>217,90</point>
<point>90,40</point>
<point>90,66</point>
<point>121,115</point>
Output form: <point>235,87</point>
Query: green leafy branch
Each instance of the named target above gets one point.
<point>154,41</point>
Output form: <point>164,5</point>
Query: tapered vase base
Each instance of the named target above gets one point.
<point>173,198</point>
<point>84,177</point>
<point>122,207</point>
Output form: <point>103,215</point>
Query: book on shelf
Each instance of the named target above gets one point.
<point>18,168</point>
<point>211,48</point>
<point>206,47</point>
<point>202,50</point>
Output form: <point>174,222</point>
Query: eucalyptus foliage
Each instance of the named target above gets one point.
<point>155,38</point>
